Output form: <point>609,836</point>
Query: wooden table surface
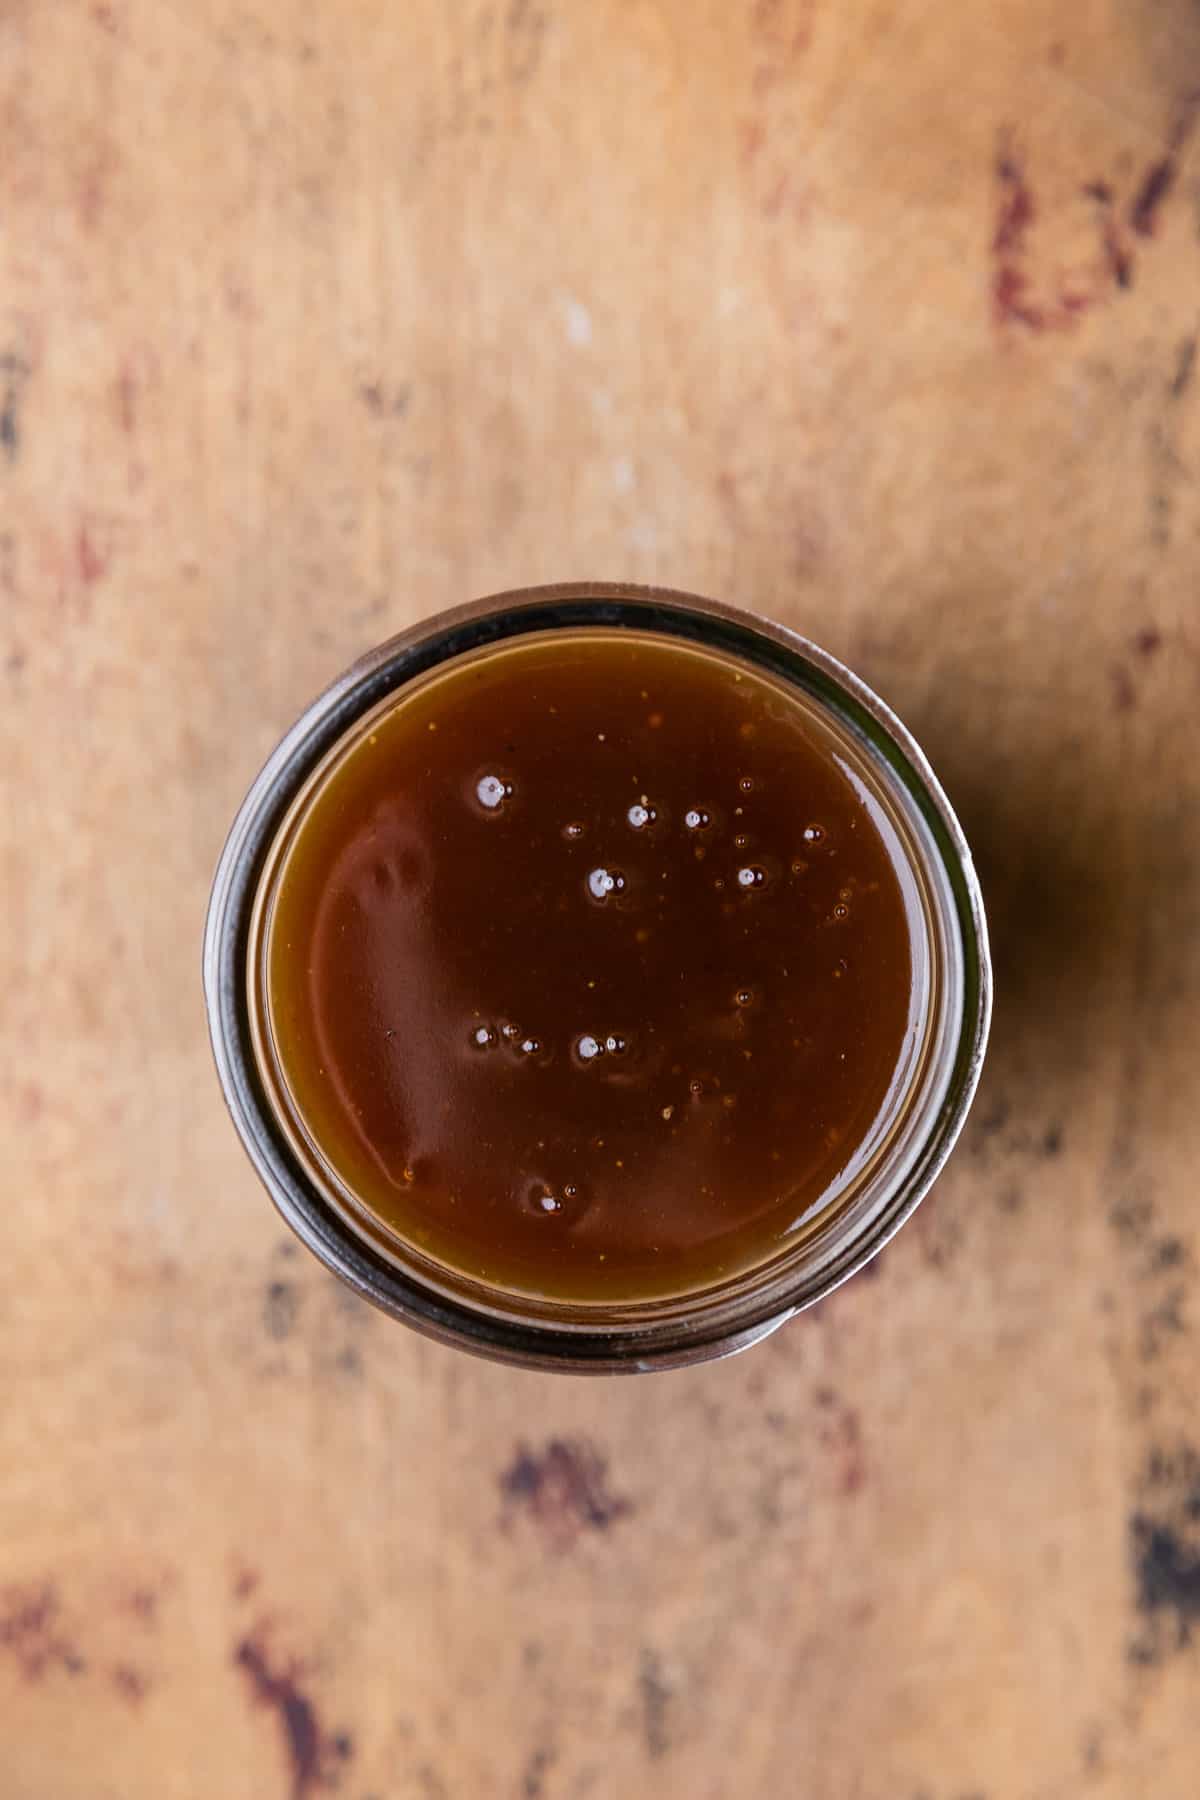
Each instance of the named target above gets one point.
<point>880,316</point>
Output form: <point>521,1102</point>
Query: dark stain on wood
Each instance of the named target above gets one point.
<point>1164,1538</point>
<point>996,1134</point>
<point>1161,176</point>
<point>654,1693</point>
<point>130,1683</point>
<point>1185,368</point>
<point>281,1306</point>
<point>312,1756</point>
<point>1162,1321</point>
<point>1117,257</point>
<point>841,1435</point>
<point>384,402</point>
<point>245,1581</point>
<point>1016,210</point>
<point>31,1632</point>
<point>1124,694</point>
<point>524,41</point>
<point>14,372</point>
<point>143,1604</point>
<point>1168,467</point>
<point>1015,213</point>
<point>1010,301</point>
<point>1156,185</point>
<point>126,395</point>
<point>564,1489</point>
<point>533,1781</point>
<point>1168,1253</point>
<point>92,565</point>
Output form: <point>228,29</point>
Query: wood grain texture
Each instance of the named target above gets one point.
<point>880,317</point>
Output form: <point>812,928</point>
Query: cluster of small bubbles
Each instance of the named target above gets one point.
<point>751,876</point>
<point>544,1197</point>
<point>483,1037</point>
<point>697,819</point>
<point>813,834</point>
<point>640,814</point>
<point>573,830</point>
<point>588,1047</point>
<point>603,882</point>
<point>492,792</point>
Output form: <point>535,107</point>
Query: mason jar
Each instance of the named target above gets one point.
<point>612,1335</point>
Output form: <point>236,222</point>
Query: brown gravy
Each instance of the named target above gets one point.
<point>590,965</point>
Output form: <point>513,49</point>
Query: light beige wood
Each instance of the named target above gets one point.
<point>320,317</point>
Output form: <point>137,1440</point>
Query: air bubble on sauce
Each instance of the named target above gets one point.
<point>483,1037</point>
<point>492,791</point>
<point>603,882</point>
<point>543,1200</point>
<point>751,876</point>
<point>573,831</point>
<point>587,1047</point>
<point>697,818</point>
<point>814,834</point>
<point>640,815</point>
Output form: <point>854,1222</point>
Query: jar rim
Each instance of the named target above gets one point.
<point>697,1326</point>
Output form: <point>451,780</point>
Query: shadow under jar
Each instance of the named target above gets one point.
<point>596,976</point>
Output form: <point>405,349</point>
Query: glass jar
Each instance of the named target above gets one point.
<point>646,1334</point>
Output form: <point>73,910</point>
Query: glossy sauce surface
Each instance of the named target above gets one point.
<point>590,965</point>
